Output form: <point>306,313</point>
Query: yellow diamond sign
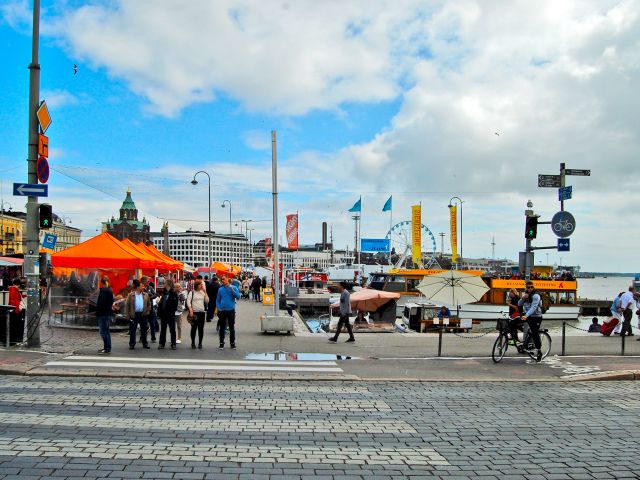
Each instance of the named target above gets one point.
<point>43,116</point>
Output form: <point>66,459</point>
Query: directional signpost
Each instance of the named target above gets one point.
<point>580,173</point>
<point>30,190</point>
<point>552,181</point>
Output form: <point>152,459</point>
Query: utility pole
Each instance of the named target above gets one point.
<point>441,244</point>
<point>493,248</point>
<point>33,231</point>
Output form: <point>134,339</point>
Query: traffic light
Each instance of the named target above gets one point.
<point>46,216</point>
<point>531,230</point>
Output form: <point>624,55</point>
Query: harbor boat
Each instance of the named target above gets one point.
<point>307,280</point>
<point>562,294</point>
<point>353,273</point>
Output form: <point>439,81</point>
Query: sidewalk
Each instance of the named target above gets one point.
<point>378,355</point>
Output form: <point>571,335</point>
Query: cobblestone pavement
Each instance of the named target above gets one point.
<point>54,427</point>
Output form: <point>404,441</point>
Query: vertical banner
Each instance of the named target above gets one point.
<point>268,251</point>
<point>453,213</point>
<point>292,231</point>
<point>416,234</point>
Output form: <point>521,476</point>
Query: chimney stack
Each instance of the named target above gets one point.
<point>324,235</point>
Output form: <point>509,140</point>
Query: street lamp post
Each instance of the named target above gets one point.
<point>195,182</point>
<point>460,202</point>
<point>250,245</point>
<point>223,205</point>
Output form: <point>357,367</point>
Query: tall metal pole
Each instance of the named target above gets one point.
<point>229,202</point>
<point>33,230</point>
<point>195,182</point>
<point>276,256</point>
<point>562,168</point>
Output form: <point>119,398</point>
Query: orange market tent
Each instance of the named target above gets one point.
<point>158,264</point>
<point>170,263</point>
<point>221,268</point>
<point>102,252</point>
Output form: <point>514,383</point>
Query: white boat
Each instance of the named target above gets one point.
<point>348,271</point>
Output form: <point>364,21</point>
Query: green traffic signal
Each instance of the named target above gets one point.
<point>531,230</point>
<point>45,216</point>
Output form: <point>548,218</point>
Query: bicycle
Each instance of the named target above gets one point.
<point>501,345</point>
<point>563,225</point>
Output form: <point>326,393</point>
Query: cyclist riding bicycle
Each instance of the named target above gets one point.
<point>532,303</point>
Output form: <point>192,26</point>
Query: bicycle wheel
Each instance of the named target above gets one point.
<point>499,348</point>
<point>545,346</point>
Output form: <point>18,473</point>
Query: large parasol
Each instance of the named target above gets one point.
<point>453,287</point>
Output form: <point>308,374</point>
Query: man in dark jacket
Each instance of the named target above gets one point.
<point>104,312</point>
<point>256,284</point>
<point>150,289</point>
<point>212,292</point>
<point>167,312</point>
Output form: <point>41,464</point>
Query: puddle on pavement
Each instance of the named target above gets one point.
<point>292,356</point>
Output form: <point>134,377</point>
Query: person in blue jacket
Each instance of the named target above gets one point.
<point>226,305</point>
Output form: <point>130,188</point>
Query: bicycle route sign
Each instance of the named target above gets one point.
<point>563,224</point>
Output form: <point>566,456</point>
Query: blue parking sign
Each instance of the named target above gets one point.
<point>49,241</point>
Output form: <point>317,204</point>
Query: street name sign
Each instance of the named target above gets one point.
<point>563,244</point>
<point>580,173</point>
<point>30,190</point>
<point>563,224</point>
<point>42,169</point>
<point>564,193</point>
<point>49,241</point>
<point>552,181</point>
<point>44,119</point>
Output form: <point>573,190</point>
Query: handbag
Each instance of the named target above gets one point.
<point>191,318</point>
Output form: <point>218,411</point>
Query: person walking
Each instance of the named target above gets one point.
<point>104,313</point>
<point>167,312</point>
<point>616,313</point>
<point>345,310</point>
<point>136,309</point>
<point>150,289</point>
<point>180,309</point>
<point>255,286</point>
<point>197,304</point>
<point>226,304</point>
<point>627,304</point>
<point>212,293</point>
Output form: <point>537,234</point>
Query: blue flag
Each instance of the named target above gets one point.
<point>357,207</point>
<point>387,205</point>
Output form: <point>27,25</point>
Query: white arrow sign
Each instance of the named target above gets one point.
<point>30,189</point>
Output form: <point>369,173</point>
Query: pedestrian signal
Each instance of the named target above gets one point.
<point>531,230</point>
<point>46,216</point>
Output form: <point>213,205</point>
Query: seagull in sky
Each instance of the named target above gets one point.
<point>496,134</point>
<point>75,69</point>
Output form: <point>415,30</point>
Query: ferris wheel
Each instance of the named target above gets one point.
<point>400,240</point>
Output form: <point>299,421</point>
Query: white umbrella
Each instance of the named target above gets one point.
<point>453,287</point>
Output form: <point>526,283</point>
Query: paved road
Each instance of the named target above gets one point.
<point>140,428</point>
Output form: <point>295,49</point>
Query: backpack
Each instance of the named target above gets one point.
<point>162,303</point>
<point>545,301</point>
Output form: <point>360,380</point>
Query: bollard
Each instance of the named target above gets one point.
<point>564,330</point>
<point>440,339</point>
<point>7,330</point>
<point>622,337</point>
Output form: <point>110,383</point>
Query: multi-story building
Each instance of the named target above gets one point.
<point>192,247</point>
<point>13,227</point>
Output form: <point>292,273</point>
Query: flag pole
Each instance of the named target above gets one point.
<point>359,230</point>
<point>390,227</point>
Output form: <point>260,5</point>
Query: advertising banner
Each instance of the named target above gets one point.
<point>292,231</point>
<point>374,245</point>
<point>453,212</point>
<point>416,234</point>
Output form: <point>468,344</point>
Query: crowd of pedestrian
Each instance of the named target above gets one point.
<point>152,310</point>
<point>624,305</point>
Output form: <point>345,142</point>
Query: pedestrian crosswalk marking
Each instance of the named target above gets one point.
<point>82,361</point>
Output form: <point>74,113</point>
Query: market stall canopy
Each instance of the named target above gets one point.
<point>11,262</point>
<point>453,287</point>
<point>174,264</point>
<point>370,300</point>
<point>143,252</point>
<point>221,268</point>
<point>102,251</point>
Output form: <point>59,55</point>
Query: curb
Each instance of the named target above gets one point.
<point>606,376</point>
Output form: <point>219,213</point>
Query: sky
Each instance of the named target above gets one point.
<point>418,100</point>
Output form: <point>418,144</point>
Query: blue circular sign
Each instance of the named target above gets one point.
<point>563,224</point>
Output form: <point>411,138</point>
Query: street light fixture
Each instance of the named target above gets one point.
<point>195,182</point>
<point>223,205</point>
<point>460,202</point>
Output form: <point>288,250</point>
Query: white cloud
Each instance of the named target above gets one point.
<point>59,98</point>
<point>257,139</point>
